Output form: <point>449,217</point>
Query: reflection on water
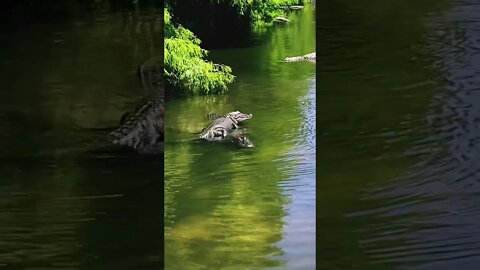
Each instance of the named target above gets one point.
<point>234,208</point>
<point>413,201</point>
<point>298,243</point>
<point>61,205</point>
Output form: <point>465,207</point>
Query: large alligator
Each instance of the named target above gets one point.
<point>312,57</point>
<point>222,128</point>
<point>143,129</point>
<point>223,125</point>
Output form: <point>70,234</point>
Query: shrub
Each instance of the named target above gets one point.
<point>186,70</point>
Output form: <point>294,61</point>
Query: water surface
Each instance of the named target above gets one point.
<point>228,207</point>
<point>64,202</point>
<point>398,122</point>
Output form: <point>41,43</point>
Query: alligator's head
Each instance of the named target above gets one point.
<point>244,142</point>
<point>238,116</point>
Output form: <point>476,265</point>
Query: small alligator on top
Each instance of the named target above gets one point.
<point>312,57</point>
<point>222,128</point>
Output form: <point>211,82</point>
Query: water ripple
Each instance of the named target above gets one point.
<point>429,217</point>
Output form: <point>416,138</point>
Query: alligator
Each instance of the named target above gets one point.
<point>296,7</point>
<point>223,125</point>
<point>312,57</point>
<point>225,128</point>
<point>280,19</point>
<point>142,130</point>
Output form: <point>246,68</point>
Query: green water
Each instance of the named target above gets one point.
<point>234,208</point>
<point>64,202</point>
<point>397,120</point>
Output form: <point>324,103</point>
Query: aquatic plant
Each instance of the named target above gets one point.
<point>186,70</point>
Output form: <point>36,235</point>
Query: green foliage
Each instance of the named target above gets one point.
<point>262,12</point>
<point>185,69</point>
<point>259,12</point>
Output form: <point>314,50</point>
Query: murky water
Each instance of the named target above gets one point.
<point>234,208</point>
<point>64,202</point>
<point>399,116</point>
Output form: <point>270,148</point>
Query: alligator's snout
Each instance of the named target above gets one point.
<point>238,116</point>
<point>245,117</point>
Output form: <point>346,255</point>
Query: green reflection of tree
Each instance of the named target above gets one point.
<point>220,219</point>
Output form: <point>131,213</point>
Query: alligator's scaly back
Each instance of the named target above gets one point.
<point>221,126</point>
<point>143,130</point>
